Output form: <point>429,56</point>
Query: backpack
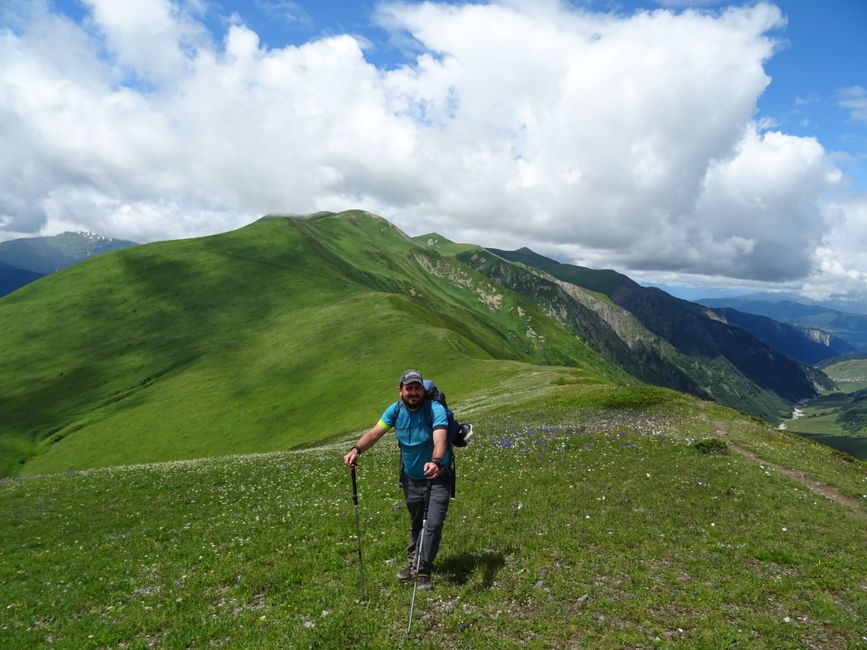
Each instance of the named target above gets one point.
<point>455,432</point>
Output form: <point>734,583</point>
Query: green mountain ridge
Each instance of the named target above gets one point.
<point>232,343</point>
<point>282,333</point>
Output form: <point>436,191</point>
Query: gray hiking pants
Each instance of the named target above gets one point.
<point>415,491</point>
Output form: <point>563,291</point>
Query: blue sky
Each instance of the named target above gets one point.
<point>705,144</point>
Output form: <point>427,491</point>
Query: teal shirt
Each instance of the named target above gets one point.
<point>414,432</point>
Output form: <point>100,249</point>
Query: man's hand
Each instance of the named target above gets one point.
<point>431,470</point>
<point>351,458</point>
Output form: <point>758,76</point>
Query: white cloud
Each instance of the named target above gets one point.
<point>840,268</point>
<point>286,11</point>
<point>854,100</point>
<point>153,38</point>
<point>616,141</point>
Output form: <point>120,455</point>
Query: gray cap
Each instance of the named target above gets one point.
<point>410,376</point>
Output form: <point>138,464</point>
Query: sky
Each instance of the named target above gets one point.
<point>700,145</point>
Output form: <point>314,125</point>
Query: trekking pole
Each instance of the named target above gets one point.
<point>358,533</point>
<point>418,556</point>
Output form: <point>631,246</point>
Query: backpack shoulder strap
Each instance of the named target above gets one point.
<point>428,411</point>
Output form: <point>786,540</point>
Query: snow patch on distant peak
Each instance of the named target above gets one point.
<point>88,235</point>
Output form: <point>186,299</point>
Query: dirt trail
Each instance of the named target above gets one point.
<point>822,489</point>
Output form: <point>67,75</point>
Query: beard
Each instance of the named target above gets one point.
<point>412,402</point>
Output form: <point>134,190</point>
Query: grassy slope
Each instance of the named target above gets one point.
<point>228,344</point>
<point>590,521</point>
<point>849,375</point>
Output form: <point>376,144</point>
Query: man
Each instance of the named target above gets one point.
<point>420,426</point>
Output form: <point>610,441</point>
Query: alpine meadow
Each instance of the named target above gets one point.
<point>173,418</point>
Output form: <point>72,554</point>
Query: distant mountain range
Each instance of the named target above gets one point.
<point>811,346</point>
<point>27,259</point>
<point>12,278</point>
<point>266,337</point>
<point>694,333</point>
<point>813,320</point>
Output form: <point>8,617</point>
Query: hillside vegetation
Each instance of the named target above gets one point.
<point>592,521</point>
<point>269,337</point>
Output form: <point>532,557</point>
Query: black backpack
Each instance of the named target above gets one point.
<point>454,431</point>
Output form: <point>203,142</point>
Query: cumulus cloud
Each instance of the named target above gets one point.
<point>841,259</point>
<point>610,140</point>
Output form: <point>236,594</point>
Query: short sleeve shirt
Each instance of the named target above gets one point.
<point>414,432</point>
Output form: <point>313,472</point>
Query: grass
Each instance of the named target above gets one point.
<point>574,525</point>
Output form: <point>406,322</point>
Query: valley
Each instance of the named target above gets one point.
<point>839,418</point>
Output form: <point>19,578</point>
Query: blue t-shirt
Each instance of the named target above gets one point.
<point>414,431</point>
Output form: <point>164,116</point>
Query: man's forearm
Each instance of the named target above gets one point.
<point>439,438</point>
<point>369,439</point>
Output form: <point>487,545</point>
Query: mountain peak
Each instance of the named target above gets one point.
<point>86,234</point>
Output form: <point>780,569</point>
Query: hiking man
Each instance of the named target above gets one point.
<point>420,426</point>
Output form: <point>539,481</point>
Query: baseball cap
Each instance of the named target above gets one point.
<point>410,376</point>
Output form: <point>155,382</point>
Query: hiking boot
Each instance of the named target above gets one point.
<point>424,583</point>
<point>407,572</point>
